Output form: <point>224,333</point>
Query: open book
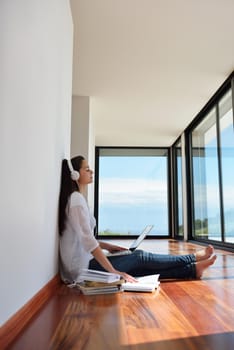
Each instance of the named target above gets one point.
<point>143,284</point>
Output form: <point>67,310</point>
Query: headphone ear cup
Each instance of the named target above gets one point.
<point>75,175</point>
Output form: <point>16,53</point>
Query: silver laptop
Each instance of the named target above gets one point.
<point>135,244</point>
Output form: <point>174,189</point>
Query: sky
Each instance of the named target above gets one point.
<point>133,193</point>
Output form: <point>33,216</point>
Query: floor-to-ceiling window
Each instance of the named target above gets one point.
<point>225,112</point>
<point>178,190</point>
<point>206,195</point>
<point>132,191</point>
<point>212,166</point>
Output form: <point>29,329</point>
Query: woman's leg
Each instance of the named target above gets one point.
<point>202,265</point>
<point>168,266</point>
<point>141,263</point>
<point>205,253</point>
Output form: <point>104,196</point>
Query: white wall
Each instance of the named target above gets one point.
<point>80,126</point>
<point>92,143</point>
<point>35,110</point>
<point>82,135</point>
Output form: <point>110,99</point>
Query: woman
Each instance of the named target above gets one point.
<point>79,248</point>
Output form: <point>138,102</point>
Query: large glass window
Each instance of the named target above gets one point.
<point>227,164</point>
<point>179,191</point>
<point>132,191</point>
<point>212,141</point>
<point>206,195</point>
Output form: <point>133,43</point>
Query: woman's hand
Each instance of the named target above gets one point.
<point>126,277</point>
<point>111,247</point>
<point>116,248</point>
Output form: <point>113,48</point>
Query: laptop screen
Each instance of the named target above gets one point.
<point>140,238</point>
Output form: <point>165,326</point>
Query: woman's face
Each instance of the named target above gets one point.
<point>86,174</point>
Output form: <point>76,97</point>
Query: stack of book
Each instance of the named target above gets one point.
<point>100,282</point>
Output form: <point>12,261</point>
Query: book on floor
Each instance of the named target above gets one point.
<point>101,288</point>
<point>144,284</point>
<point>98,276</point>
<point>101,282</point>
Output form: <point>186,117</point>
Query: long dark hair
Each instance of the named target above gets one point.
<point>66,188</point>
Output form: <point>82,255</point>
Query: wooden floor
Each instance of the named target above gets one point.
<point>182,315</point>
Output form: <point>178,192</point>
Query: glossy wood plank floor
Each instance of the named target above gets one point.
<point>182,315</point>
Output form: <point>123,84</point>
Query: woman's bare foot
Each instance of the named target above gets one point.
<point>202,265</point>
<point>205,253</point>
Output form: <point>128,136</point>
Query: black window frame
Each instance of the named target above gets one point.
<point>211,104</point>
<point>96,192</point>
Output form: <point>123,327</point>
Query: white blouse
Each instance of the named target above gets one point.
<point>77,241</point>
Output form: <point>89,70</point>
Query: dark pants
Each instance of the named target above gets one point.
<point>141,263</point>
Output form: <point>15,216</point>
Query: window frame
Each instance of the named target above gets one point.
<point>213,103</point>
<point>96,191</point>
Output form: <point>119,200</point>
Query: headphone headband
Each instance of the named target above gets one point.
<point>74,174</point>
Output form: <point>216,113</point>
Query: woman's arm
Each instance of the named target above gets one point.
<point>80,217</point>
<point>105,263</point>
<point>111,247</point>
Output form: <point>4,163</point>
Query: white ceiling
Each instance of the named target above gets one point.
<point>149,66</point>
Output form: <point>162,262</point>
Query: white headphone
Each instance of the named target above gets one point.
<point>75,175</point>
